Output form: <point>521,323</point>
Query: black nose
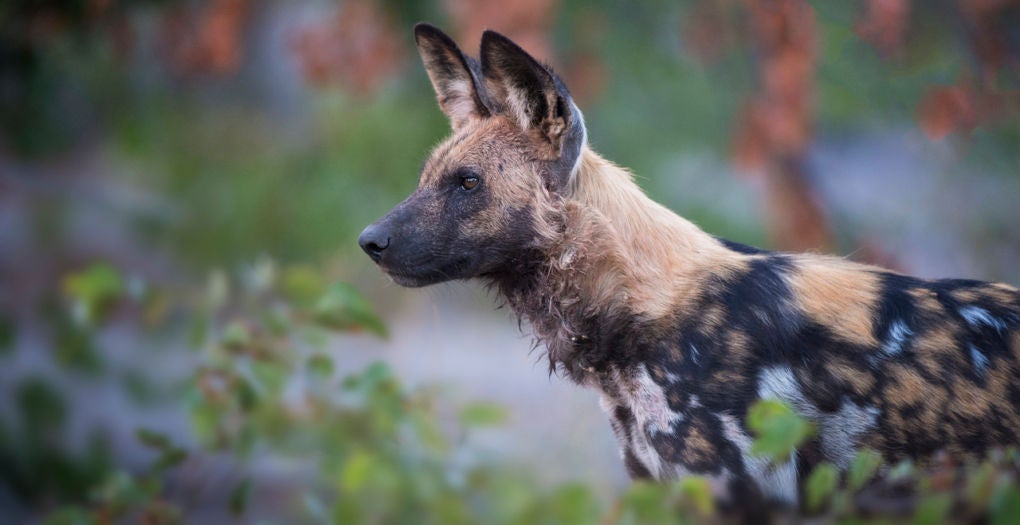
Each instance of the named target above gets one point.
<point>374,240</point>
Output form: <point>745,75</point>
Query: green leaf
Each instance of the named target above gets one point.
<point>357,470</point>
<point>343,308</point>
<point>981,486</point>
<point>236,336</point>
<point>94,290</point>
<point>71,515</point>
<point>321,366</point>
<point>573,503</point>
<point>42,409</point>
<point>247,396</point>
<point>1006,510</point>
<point>239,497</point>
<point>271,377</point>
<point>646,502</point>
<point>483,414</point>
<point>934,509</point>
<point>779,429</point>
<point>820,485</point>
<point>698,492</point>
<point>863,468</point>
<point>302,285</point>
<point>903,470</point>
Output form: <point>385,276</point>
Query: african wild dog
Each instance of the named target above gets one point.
<point>681,331</point>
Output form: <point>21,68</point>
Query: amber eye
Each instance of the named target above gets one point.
<point>468,183</point>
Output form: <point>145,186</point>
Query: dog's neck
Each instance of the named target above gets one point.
<point>615,262</point>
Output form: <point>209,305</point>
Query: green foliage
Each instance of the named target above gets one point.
<point>863,468</point>
<point>820,485</point>
<point>93,291</point>
<point>778,428</point>
<point>343,308</point>
<point>483,414</point>
<point>268,381</point>
<point>1006,510</point>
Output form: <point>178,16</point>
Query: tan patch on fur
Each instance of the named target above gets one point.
<point>738,348</point>
<point>969,400</point>
<point>713,318</point>
<point>697,448</point>
<point>907,387</point>
<point>723,381</point>
<point>838,295</point>
<point>674,398</point>
<point>860,381</point>
<point>926,299</point>
<point>658,259</point>
<point>936,344</point>
<point>966,295</point>
<point>658,374</point>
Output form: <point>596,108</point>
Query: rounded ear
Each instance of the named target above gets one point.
<point>456,77</point>
<point>532,95</point>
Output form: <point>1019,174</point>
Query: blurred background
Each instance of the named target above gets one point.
<point>188,331</point>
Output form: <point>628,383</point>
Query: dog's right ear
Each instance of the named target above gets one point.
<point>456,77</point>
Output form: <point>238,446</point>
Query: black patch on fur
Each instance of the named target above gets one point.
<point>741,248</point>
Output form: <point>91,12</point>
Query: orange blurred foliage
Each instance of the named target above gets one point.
<point>206,39</point>
<point>884,25</point>
<point>780,115</point>
<point>527,22</point>
<point>356,48</point>
<point>961,108</point>
<point>707,29</point>
<point>775,127</point>
<point>946,109</point>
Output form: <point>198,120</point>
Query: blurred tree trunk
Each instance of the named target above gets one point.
<point>776,128</point>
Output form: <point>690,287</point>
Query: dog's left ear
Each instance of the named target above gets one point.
<point>456,77</point>
<point>531,95</point>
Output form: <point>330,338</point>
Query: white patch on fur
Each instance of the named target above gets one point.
<point>584,142</point>
<point>979,316</point>
<point>650,407</point>
<point>979,360</point>
<point>518,101</point>
<point>838,432</point>
<point>459,104</point>
<point>778,382</point>
<point>898,335</point>
<point>777,482</point>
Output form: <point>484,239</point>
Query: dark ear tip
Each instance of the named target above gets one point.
<point>429,31</point>
<point>490,37</point>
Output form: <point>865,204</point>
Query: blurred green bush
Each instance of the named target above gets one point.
<point>379,452</point>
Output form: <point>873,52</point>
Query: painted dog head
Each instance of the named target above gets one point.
<point>484,193</point>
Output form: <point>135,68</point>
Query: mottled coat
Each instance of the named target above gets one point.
<point>681,331</point>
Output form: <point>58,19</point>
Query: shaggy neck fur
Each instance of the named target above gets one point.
<point>610,261</point>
